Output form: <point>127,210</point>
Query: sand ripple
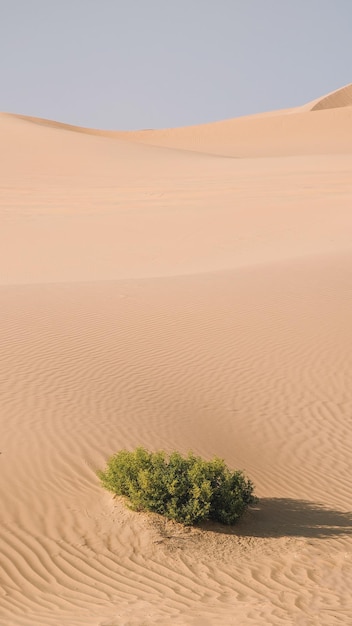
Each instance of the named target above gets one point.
<point>256,377</point>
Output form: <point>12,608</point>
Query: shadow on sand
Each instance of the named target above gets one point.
<point>286,517</point>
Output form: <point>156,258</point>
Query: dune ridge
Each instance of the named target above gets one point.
<point>161,288</point>
<point>336,99</point>
<point>290,133</point>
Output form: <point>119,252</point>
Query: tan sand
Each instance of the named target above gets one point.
<point>339,98</point>
<point>188,289</point>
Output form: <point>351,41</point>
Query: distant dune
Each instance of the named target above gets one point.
<point>334,100</point>
<point>292,132</point>
<point>184,288</point>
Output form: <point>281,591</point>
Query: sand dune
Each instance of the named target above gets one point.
<point>156,292</point>
<point>340,98</point>
<point>293,132</point>
<point>97,209</point>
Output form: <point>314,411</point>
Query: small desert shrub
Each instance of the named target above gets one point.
<point>185,489</point>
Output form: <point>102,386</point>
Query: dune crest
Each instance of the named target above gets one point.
<point>336,99</point>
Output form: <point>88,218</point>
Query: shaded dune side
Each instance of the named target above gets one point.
<point>334,100</point>
<point>250,365</point>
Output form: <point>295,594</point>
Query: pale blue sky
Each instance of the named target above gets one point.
<point>155,63</point>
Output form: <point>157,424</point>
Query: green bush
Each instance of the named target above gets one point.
<point>185,489</point>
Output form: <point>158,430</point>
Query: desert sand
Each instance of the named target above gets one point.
<point>183,289</point>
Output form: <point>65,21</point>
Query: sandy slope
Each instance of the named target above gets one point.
<point>339,98</point>
<point>173,297</point>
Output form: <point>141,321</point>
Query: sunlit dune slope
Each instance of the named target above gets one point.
<point>291,132</point>
<point>182,289</point>
<point>97,208</point>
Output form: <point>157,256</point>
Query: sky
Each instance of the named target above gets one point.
<point>130,64</point>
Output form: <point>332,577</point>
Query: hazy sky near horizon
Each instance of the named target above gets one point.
<point>125,64</point>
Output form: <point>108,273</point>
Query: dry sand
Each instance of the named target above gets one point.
<point>190,289</point>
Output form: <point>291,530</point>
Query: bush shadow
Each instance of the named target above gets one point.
<point>286,517</point>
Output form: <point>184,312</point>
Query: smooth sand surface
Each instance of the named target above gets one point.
<point>180,289</point>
